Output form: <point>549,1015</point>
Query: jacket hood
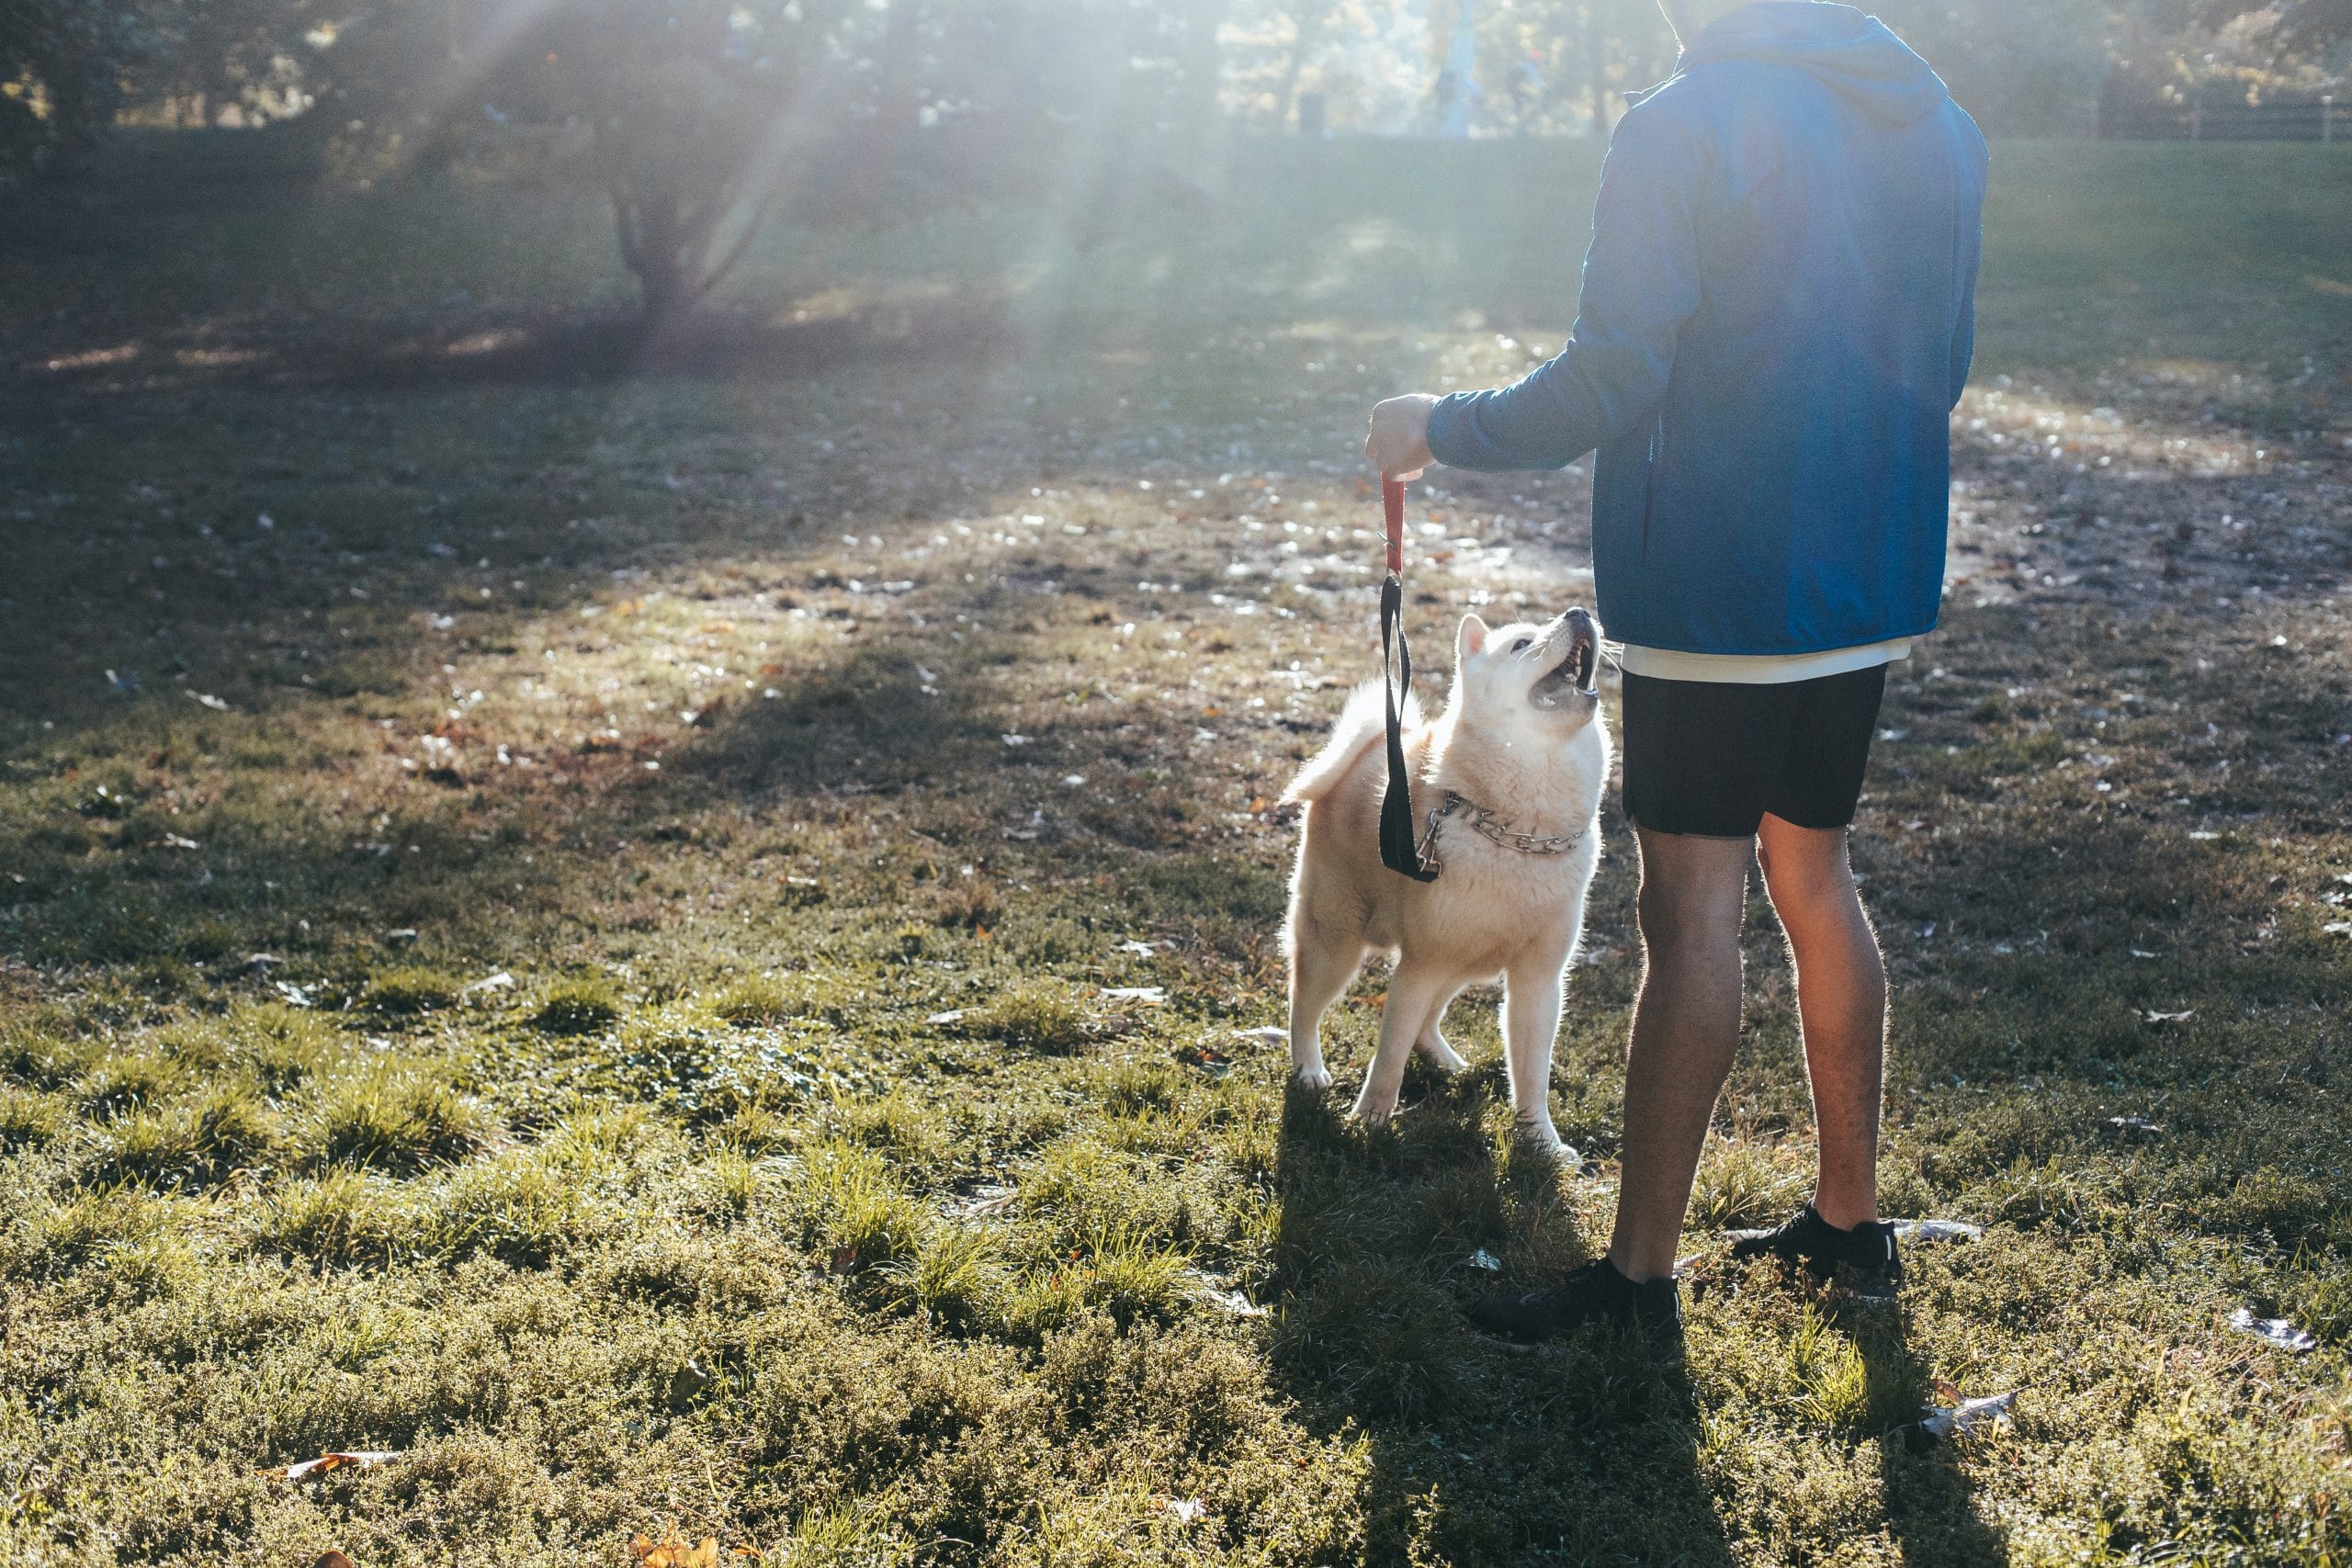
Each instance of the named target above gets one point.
<point>1854,55</point>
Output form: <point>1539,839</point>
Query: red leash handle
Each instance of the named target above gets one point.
<point>1392,500</point>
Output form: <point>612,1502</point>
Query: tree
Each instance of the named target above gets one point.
<point>699,110</point>
<point>698,114</point>
<point>2021,67</point>
<point>1587,52</point>
<point>63,66</point>
<point>2301,26</point>
<point>1310,21</point>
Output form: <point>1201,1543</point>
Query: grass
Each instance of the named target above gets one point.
<point>579,1007</point>
<point>437,1040</point>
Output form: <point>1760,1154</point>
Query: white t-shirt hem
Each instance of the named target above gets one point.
<point>1761,669</point>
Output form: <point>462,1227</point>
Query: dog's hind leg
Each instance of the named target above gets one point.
<point>1411,993</point>
<point>1320,968</point>
<point>1531,1021</point>
<point>1430,1040</point>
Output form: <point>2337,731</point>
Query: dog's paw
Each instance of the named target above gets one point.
<point>1314,1080</point>
<point>1544,1141</point>
<point>1443,1058</point>
<point>1372,1111</point>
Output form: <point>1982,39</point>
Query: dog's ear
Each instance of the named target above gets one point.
<point>1469,640</point>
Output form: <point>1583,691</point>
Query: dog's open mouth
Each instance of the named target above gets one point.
<point>1578,672</point>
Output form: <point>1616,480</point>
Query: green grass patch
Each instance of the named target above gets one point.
<point>408,990</point>
<point>839,1120</point>
<point>1034,1016</point>
<point>579,1007</point>
<point>399,1119</point>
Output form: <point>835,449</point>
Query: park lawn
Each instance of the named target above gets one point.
<point>693,947</point>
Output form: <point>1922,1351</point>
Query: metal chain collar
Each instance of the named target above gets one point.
<point>1488,826</point>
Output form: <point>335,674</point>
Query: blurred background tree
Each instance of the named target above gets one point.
<point>2026,67</point>
<point>695,117</point>
<point>699,113</point>
<point>68,70</point>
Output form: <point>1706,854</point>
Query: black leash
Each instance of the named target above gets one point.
<point>1399,851</point>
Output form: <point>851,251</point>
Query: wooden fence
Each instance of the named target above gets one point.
<point>2195,119</point>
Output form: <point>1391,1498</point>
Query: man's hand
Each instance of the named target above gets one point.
<point>1400,443</point>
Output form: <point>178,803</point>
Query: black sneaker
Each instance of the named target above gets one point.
<point>1596,1294</point>
<point>1864,1258</point>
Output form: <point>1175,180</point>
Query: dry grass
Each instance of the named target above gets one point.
<point>524,1074</point>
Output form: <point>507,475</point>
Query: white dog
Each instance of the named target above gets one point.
<point>1513,772</point>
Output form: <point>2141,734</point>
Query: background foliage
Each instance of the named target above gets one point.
<point>693,117</point>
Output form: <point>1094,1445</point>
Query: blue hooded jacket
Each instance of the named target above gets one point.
<point>1777,317</point>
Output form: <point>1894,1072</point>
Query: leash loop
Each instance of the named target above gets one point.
<point>1398,852</point>
<point>1392,502</point>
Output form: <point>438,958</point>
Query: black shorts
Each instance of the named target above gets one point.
<point>1709,759</point>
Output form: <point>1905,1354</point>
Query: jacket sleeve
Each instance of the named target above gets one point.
<point>1964,334</point>
<point>1641,284</point>
<point>1968,255</point>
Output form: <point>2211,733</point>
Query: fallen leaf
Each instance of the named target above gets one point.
<point>1482,1259</point>
<point>1927,1233</point>
<point>2136,1127</point>
<point>1140,949</point>
<point>173,841</point>
<point>215,704</point>
<point>331,1558</point>
<point>2273,1330</point>
<point>502,981</point>
<point>1967,1415</point>
<point>1265,1031</point>
<point>988,1199</point>
<point>952,1015</point>
<point>1185,1510</point>
<point>2169,1017</point>
<point>365,1458</point>
<point>1234,1302</point>
<point>671,1551</point>
<point>1150,996</point>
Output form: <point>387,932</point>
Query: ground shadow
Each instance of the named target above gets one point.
<point>1585,1453</point>
<point>1931,1506</point>
<point>716,345</point>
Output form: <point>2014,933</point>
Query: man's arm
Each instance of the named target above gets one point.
<point>1641,284</point>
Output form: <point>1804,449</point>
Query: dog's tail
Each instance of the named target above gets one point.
<point>1362,725</point>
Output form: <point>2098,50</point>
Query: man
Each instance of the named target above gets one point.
<point>1777,317</point>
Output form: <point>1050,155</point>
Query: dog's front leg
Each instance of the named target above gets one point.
<point>1320,969</point>
<point>1431,1042</point>
<point>1411,993</point>
<point>1530,1021</point>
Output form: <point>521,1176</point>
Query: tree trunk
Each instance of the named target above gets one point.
<point>648,226</point>
<point>1306,32</point>
<point>898,107</point>
<point>1204,66</point>
<point>1596,52</point>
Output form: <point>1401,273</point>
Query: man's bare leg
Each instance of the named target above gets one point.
<point>1686,1029</point>
<point>1841,1001</point>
